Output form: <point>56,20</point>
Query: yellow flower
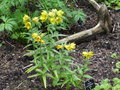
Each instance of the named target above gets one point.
<point>52,20</point>
<point>60,13</point>
<point>44,16</point>
<point>26,18</point>
<point>42,41</point>
<point>35,35</point>
<point>67,47</point>
<point>72,45</point>
<point>28,25</point>
<point>44,13</point>
<point>54,10</point>
<point>38,39</point>
<point>88,55</point>
<point>59,46</point>
<point>58,19</point>
<point>51,14</point>
<point>35,19</point>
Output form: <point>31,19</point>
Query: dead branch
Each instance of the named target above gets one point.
<point>104,24</point>
<point>94,4</point>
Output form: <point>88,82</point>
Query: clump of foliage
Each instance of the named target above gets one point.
<point>52,59</point>
<point>106,85</point>
<point>114,4</point>
<point>117,69</point>
<point>15,9</point>
<point>7,23</point>
<point>114,56</point>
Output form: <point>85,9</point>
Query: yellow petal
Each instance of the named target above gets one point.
<point>28,25</point>
<point>59,46</point>
<point>35,19</point>
<point>34,35</point>
<point>26,18</point>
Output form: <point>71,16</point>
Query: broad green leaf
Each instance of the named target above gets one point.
<point>2,27</point>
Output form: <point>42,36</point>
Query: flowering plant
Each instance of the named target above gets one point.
<point>52,60</point>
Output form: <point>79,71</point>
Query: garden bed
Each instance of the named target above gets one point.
<point>13,63</point>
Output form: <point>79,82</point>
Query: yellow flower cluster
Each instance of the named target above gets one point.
<point>44,16</point>
<point>88,55</point>
<point>68,47</point>
<point>54,16</point>
<point>38,38</point>
<point>26,20</point>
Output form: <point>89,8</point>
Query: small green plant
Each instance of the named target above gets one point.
<point>114,56</point>
<point>117,69</point>
<point>114,4</point>
<point>106,85</point>
<point>7,24</point>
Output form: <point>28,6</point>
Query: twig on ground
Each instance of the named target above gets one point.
<point>28,66</point>
<point>10,44</point>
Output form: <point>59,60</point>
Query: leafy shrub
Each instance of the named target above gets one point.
<point>114,4</point>
<point>7,23</point>
<point>117,69</point>
<point>18,8</point>
<point>106,85</point>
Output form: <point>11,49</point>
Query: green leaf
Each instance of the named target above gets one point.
<point>45,66</point>
<point>40,71</point>
<point>114,55</point>
<point>87,76</point>
<point>55,81</point>
<point>116,81</point>
<point>55,72</point>
<point>14,36</point>
<point>1,44</point>
<point>49,75</point>
<point>8,27</point>
<point>65,82</point>
<point>2,27</point>
<point>31,69</point>
<point>44,81</point>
